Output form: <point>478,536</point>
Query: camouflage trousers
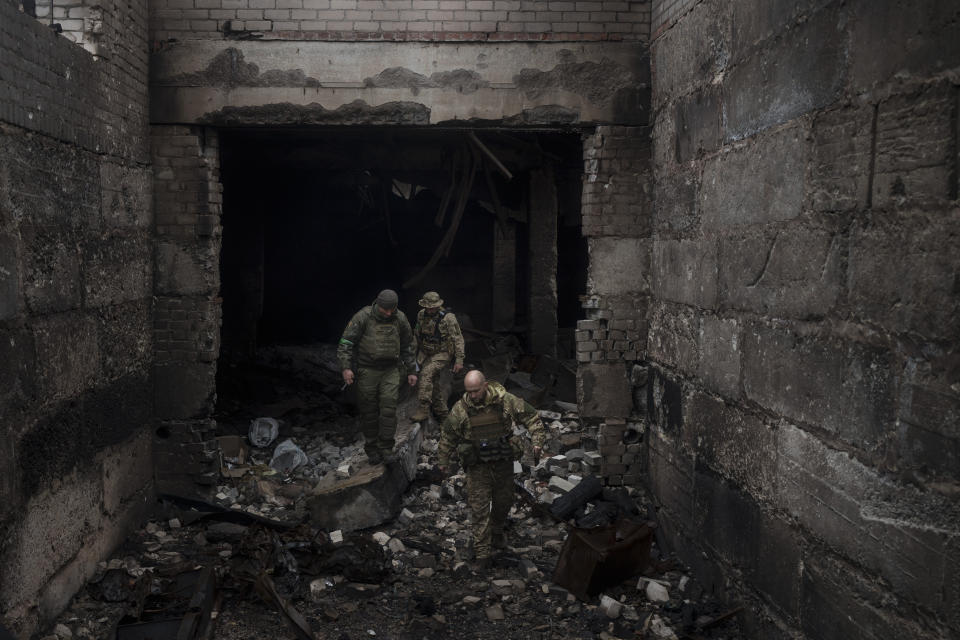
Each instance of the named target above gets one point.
<point>377,393</point>
<point>430,390</point>
<point>489,496</point>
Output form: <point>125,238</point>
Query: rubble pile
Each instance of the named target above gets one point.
<point>253,562</point>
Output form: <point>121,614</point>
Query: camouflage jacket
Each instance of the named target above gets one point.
<point>439,333</point>
<point>373,340</point>
<point>456,428</point>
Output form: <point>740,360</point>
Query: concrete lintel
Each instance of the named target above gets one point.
<point>514,83</point>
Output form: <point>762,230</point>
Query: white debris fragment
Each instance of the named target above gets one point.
<point>611,607</point>
<point>657,592</point>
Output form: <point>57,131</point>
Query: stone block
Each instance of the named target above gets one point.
<point>794,272</point>
<point>928,434</point>
<point>777,165</point>
<point>692,52</point>
<point>127,195</point>
<point>757,20</point>
<point>674,337</point>
<point>697,124</point>
<point>851,394</point>
<point>116,269</point>
<point>124,334</point>
<point>914,39</point>
<point>603,390</point>
<point>55,527</point>
<point>738,445</point>
<point>762,547</point>
<point>685,271</point>
<point>184,389</point>
<point>904,280</point>
<point>720,354</point>
<point>18,371</point>
<point>68,355</point>
<point>675,204</point>
<point>789,76</point>
<point>618,265</point>
<point>916,148</point>
<point>51,269</point>
<point>840,159</point>
<point>838,602</point>
<point>10,304</point>
<point>671,479</point>
<point>127,472</point>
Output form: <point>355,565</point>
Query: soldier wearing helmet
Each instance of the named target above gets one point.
<point>379,340</point>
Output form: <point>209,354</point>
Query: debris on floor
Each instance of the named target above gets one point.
<point>274,553</point>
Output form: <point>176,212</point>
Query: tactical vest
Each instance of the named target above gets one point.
<point>431,340</point>
<point>490,434</point>
<point>380,343</point>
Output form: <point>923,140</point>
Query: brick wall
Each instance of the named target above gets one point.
<point>187,203</point>
<point>76,284</point>
<point>803,437</point>
<point>415,20</point>
<point>616,208</point>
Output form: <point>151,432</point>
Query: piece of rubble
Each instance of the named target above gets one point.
<point>559,486</point>
<point>611,607</point>
<point>660,629</point>
<point>63,632</point>
<point>406,516</point>
<point>494,613</point>
<point>426,572</point>
<point>174,523</point>
<point>344,470</point>
<point>549,415</point>
<point>336,537</point>
<point>527,569</point>
<point>396,545</point>
<point>471,600</point>
<point>381,538</point>
<point>656,592</point>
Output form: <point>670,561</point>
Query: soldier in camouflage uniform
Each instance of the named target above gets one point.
<point>438,342</point>
<point>379,339</point>
<point>479,430</point>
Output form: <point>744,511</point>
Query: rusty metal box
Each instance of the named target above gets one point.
<point>593,559</point>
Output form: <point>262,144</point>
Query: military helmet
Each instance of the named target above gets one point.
<point>431,300</point>
<point>387,299</point>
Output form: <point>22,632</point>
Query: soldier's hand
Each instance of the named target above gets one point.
<point>412,379</point>
<point>458,367</point>
<point>348,376</point>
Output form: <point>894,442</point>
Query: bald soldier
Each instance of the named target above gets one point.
<point>479,430</point>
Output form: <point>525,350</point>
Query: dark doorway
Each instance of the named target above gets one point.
<point>316,222</point>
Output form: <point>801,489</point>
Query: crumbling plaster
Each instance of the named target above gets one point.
<point>207,80</point>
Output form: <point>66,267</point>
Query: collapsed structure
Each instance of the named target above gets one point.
<point>768,280</point>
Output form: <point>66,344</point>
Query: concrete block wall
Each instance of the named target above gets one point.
<point>402,20</point>
<point>802,324</point>
<point>186,327</point>
<point>76,287</point>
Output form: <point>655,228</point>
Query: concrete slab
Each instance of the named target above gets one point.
<point>372,495</point>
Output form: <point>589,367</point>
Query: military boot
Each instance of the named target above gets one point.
<point>422,413</point>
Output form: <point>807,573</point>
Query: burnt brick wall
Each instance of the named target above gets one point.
<point>186,327</point>
<point>401,20</point>
<point>616,206</point>
<point>76,287</point>
<point>804,391</point>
